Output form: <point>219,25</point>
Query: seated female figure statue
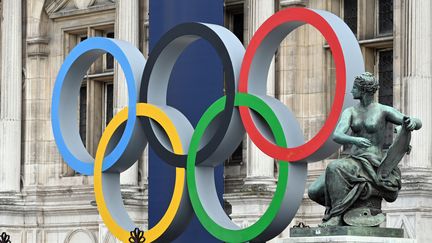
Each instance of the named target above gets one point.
<point>357,181</point>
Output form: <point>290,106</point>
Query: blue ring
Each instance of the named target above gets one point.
<point>67,86</point>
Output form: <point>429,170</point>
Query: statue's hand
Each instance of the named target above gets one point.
<point>411,123</point>
<point>362,142</point>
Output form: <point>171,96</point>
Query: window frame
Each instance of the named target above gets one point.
<point>96,80</point>
<point>232,9</point>
<point>377,21</point>
<point>389,127</point>
<point>342,11</point>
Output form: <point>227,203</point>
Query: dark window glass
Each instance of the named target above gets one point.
<point>83,38</point>
<point>238,25</point>
<point>350,14</point>
<point>110,34</point>
<point>83,113</point>
<point>238,153</point>
<point>385,16</point>
<point>109,103</point>
<point>237,156</point>
<point>385,95</point>
<point>238,30</point>
<point>109,57</point>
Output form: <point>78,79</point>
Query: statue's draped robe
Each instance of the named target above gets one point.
<point>355,178</point>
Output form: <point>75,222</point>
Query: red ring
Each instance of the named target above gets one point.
<point>303,151</point>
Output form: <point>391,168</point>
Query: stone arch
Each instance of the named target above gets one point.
<point>37,18</point>
<point>79,236</point>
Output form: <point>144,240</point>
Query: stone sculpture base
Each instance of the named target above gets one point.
<point>347,239</point>
<point>347,234</point>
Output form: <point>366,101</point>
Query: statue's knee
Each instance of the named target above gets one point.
<point>313,192</point>
<point>334,165</point>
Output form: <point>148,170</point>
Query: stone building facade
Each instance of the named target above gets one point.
<point>42,200</point>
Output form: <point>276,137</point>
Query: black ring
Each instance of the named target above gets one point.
<point>154,86</point>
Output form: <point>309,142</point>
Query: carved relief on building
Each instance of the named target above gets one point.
<point>60,8</point>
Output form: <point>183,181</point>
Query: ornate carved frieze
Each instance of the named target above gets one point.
<point>63,8</point>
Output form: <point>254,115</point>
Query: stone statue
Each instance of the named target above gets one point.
<point>352,188</point>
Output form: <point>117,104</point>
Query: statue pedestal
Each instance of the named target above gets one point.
<point>348,239</point>
<point>347,234</point>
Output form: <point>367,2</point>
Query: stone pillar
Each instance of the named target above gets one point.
<point>127,28</point>
<point>260,168</point>
<point>144,44</point>
<point>304,87</point>
<point>39,152</point>
<point>417,77</point>
<point>412,65</point>
<point>11,96</point>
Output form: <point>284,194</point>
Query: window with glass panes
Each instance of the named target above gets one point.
<point>385,17</point>
<point>235,22</point>
<point>350,14</point>
<point>95,101</point>
<point>385,93</point>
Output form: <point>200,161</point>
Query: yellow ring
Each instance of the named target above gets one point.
<point>154,233</point>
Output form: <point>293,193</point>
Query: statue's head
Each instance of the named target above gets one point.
<point>365,83</point>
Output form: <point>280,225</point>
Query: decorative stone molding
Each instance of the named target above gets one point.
<point>64,8</point>
<point>37,46</point>
<point>80,234</point>
<point>257,188</point>
<point>83,4</point>
<point>55,5</point>
<point>290,3</point>
<point>233,2</point>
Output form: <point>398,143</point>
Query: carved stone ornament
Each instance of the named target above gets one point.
<point>83,4</point>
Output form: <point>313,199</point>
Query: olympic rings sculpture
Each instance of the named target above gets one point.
<point>196,151</point>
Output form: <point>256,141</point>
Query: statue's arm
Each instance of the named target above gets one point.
<point>340,134</point>
<point>396,117</point>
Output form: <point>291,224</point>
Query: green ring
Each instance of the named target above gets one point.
<point>253,231</point>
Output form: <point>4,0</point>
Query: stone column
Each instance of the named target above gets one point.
<point>39,152</point>
<point>144,44</point>
<point>412,65</point>
<point>260,168</point>
<point>417,77</point>
<point>127,28</point>
<point>303,86</point>
<point>11,96</point>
